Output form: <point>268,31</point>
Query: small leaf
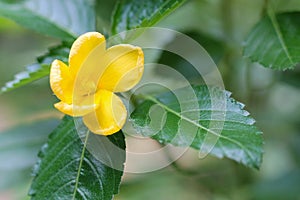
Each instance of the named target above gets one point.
<point>130,14</point>
<point>38,70</point>
<point>189,122</point>
<point>67,170</point>
<point>63,19</point>
<point>274,42</point>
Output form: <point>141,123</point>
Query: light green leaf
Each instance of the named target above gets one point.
<point>274,42</point>
<point>130,14</point>
<point>40,69</point>
<point>237,136</point>
<point>32,73</point>
<point>62,19</point>
<point>67,170</point>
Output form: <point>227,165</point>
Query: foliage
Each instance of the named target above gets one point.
<point>135,14</point>
<point>274,41</point>
<point>236,132</point>
<point>68,168</point>
<point>74,172</point>
<point>63,20</point>
<point>40,69</point>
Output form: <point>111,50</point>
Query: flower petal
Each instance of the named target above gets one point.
<point>109,117</point>
<point>124,68</point>
<point>61,81</point>
<point>81,105</point>
<point>83,47</point>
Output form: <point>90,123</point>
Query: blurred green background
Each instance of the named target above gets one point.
<point>27,115</point>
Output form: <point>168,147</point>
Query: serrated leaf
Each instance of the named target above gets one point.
<point>32,73</point>
<point>237,136</point>
<point>274,42</point>
<point>62,19</point>
<point>40,69</point>
<point>67,169</point>
<point>130,14</point>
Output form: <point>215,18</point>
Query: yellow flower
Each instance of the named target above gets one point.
<point>86,88</point>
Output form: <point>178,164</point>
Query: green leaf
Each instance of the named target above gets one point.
<point>238,138</point>
<point>32,73</point>
<point>130,14</point>
<point>40,69</point>
<point>67,170</point>
<point>62,19</point>
<point>104,10</point>
<point>274,42</point>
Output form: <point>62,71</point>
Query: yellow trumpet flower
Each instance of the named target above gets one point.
<point>86,88</point>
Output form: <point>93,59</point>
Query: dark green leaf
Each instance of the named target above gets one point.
<point>274,41</point>
<point>104,10</point>
<point>63,19</point>
<point>40,69</point>
<point>130,14</point>
<point>237,138</point>
<point>67,169</point>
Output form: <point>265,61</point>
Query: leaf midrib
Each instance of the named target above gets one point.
<point>279,35</point>
<point>150,98</point>
<point>156,13</point>
<point>153,19</point>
